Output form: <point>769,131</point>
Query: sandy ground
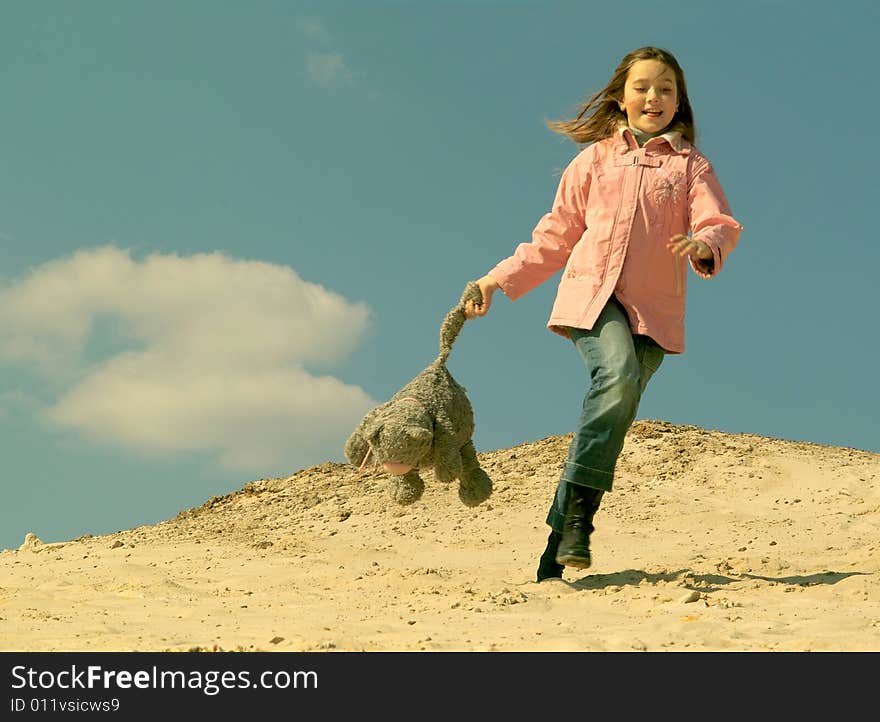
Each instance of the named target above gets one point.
<point>710,542</point>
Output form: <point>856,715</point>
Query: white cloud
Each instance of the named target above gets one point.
<point>313,29</point>
<point>328,69</point>
<point>210,354</point>
<point>325,66</point>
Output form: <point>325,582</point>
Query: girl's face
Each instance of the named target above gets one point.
<point>650,96</point>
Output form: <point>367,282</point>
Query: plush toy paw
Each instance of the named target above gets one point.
<point>475,487</point>
<point>407,489</point>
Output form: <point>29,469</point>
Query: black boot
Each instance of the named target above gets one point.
<point>574,547</point>
<point>547,567</point>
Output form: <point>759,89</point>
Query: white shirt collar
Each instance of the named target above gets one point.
<point>673,137</point>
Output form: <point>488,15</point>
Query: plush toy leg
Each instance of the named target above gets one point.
<point>474,486</point>
<point>408,488</point>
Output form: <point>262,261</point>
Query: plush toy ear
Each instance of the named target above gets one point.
<point>419,433</point>
<point>372,431</point>
<point>401,443</point>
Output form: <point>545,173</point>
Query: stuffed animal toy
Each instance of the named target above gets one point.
<point>429,422</point>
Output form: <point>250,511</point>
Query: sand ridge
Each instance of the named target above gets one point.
<point>710,542</point>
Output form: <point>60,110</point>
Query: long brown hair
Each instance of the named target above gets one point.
<point>600,116</point>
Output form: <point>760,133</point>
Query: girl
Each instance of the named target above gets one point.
<point>630,208</point>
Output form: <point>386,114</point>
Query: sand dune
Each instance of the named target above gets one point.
<point>710,541</point>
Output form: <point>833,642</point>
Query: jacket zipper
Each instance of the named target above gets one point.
<point>614,225</point>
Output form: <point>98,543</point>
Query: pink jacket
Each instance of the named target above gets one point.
<point>616,207</point>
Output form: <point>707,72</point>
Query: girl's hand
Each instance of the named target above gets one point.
<point>488,286</point>
<point>681,246</point>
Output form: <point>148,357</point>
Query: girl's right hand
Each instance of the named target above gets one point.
<point>488,286</point>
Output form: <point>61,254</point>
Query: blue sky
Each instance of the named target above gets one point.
<point>227,229</point>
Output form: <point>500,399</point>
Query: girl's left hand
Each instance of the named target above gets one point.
<point>681,246</point>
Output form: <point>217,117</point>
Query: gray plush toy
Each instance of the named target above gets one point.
<point>429,422</point>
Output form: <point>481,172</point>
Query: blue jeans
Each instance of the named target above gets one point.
<point>620,364</point>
